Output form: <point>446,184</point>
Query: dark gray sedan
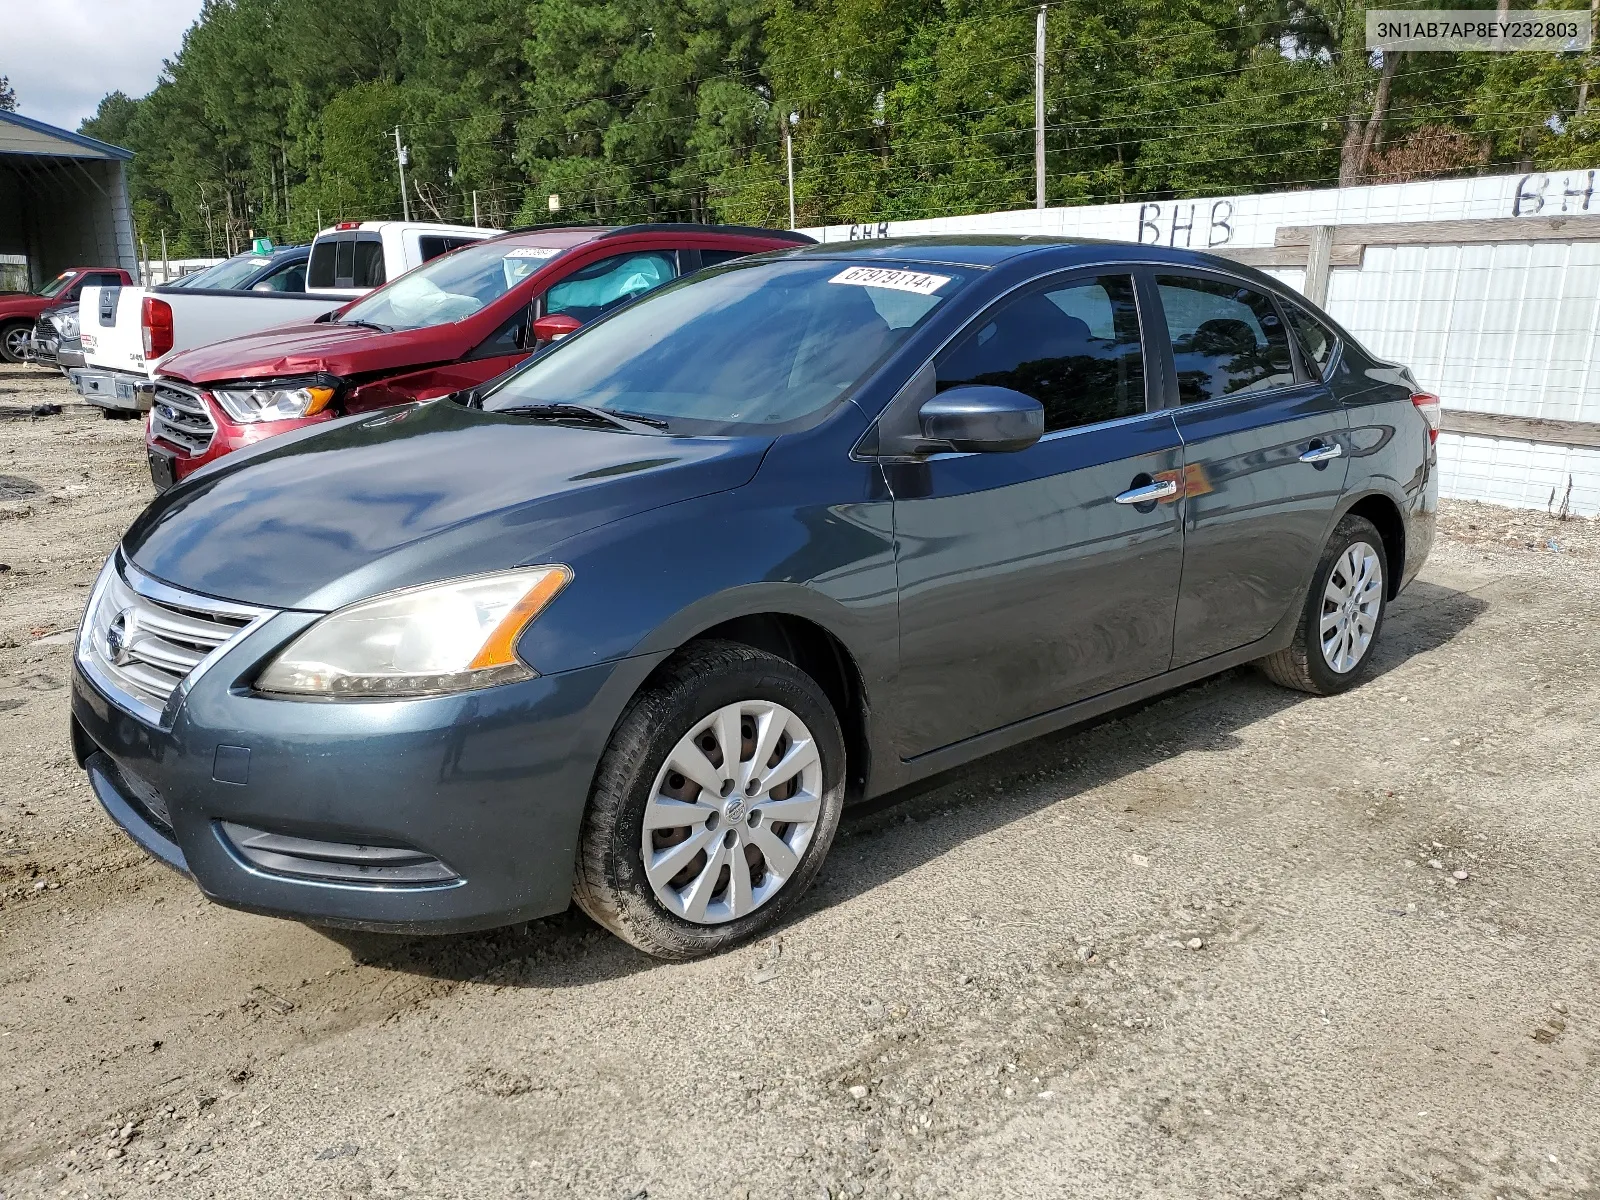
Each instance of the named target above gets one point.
<point>631,624</point>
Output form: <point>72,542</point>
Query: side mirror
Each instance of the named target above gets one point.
<point>981,418</point>
<point>555,326</point>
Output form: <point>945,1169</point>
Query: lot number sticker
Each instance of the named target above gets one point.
<point>533,252</point>
<point>919,282</point>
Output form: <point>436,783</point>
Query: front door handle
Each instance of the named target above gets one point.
<point>1161,489</point>
<point>1320,453</point>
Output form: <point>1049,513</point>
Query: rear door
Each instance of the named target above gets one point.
<point>1030,580</point>
<point>1265,456</point>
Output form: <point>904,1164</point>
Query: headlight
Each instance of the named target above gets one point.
<point>66,325</point>
<point>277,400</point>
<point>444,637</point>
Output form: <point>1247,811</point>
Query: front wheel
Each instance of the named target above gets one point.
<point>1332,646</point>
<point>714,804</point>
<point>14,342</point>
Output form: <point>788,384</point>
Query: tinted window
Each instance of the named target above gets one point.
<point>710,258</point>
<point>742,347</point>
<point>1227,340</point>
<point>1073,347</point>
<point>433,245</point>
<point>344,262</point>
<point>369,271</point>
<point>590,292</point>
<point>320,273</point>
<point>1316,342</point>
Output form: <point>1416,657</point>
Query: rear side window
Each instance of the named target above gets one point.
<point>1316,340</point>
<point>1074,347</point>
<point>320,273</point>
<point>602,286</point>
<point>1227,339</point>
<point>433,245</point>
<point>369,271</point>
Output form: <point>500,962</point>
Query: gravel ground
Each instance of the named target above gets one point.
<point>1236,942</point>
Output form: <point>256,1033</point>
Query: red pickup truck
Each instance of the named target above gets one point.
<point>450,324</point>
<point>19,310</point>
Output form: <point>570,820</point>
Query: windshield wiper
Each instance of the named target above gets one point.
<point>584,412</point>
<point>365,325</point>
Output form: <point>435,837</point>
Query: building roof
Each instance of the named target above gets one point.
<point>24,135</point>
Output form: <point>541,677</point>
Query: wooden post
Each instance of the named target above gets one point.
<point>1319,258</point>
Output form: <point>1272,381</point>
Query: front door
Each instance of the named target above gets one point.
<point>1264,462</point>
<point>1030,580</point>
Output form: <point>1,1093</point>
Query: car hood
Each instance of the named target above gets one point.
<point>329,515</point>
<point>304,350</point>
<point>23,304</point>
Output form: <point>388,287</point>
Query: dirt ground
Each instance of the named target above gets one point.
<point>1239,942</point>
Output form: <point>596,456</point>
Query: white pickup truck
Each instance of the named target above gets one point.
<point>127,331</point>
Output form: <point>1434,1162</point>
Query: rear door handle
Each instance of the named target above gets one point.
<point>1161,489</point>
<point>1320,453</point>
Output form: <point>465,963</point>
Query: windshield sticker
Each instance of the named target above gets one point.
<point>919,282</point>
<point>533,252</point>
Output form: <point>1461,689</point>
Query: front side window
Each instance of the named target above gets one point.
<point>432,245</point>
<point>1227,339</point>
<point>1074,347</point>
<point>601,286</point>
<point>290,278</point>
<point>745,347</point>
<point>451,287</point>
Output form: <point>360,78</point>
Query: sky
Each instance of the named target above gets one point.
<point>66,54</point>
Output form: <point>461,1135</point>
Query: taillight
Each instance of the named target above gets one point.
<point>157,322</point>
<point>1428,405</point>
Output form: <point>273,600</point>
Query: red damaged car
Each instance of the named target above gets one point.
<point>450,324</point>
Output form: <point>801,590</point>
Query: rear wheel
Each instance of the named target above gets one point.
<point>1332,646</point>
<point>14,342</point>
<point>714,804</point>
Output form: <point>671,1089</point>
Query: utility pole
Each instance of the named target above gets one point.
<point>788,150</point>
<point>166,267</point>
<point>1038,111</point>
<point>476,224</point>
<point>400,157</point>
<point>1588,59</point>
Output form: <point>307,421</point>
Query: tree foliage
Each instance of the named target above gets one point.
<point>276,115</point>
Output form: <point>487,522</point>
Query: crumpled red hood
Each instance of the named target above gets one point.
<point>309,349</point>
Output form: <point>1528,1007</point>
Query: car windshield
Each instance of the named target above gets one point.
<point>56,284</point>
<point>231,274</point>
<point>451,287</point>
<point>759,344</point>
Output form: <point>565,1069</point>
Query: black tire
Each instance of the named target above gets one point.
<point>1302,665</point>
<point>610,883</point>
<point>119,414</point>
<point>8,334</point>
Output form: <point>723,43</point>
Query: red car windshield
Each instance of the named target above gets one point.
<point>449,288</point>
<point>56,284</point>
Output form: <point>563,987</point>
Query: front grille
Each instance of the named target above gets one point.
<point>141,638</point>
<point>179,415</point>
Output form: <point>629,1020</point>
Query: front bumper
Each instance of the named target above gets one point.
<point>491,785</point>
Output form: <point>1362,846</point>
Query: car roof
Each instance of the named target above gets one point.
<point>991,249</point>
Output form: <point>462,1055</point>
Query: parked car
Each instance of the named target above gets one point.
<point>452,324</point>
<point>127,336</point>
<point>20,310</point>
<point>633,623</point>
<point>126,330</point>
<point>54,341</point>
